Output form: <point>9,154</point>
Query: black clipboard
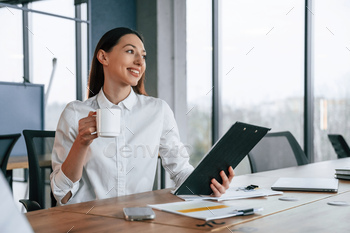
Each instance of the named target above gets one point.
<point>238,141</point>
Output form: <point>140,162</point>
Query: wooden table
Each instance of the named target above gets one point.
<point>290,212</point>
<point>59,221</point>
<point>317,216</point>
<point>16,162</point>
<point>20,162</point>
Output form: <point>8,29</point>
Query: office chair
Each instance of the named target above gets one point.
<point>39,143</point>
<point>7,142</point>
<point>340,146</point>
<point>276,150</point>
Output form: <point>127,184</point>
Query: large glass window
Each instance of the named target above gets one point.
<point>11,45</point>
<point>261,70</point>
<point>57,7</point>
<point>53,62</point>
<point>331,74</point>
<point>199,75</point>
<point>261,64</point>
<point>52,51</point>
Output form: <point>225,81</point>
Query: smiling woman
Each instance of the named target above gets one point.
<point>106,48</point>
<point>88,167</point>
<point>123,66</point>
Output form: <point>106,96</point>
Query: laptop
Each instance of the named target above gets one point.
<point>306,184</point>
<point>238,141</point>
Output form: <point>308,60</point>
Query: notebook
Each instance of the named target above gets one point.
<point>306,184</point>
<point>238,141</point>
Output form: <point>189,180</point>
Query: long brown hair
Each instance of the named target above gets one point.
<point>106,43</point>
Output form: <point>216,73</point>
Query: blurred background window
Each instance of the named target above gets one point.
<point>331,44</point>
<point>199,78</point>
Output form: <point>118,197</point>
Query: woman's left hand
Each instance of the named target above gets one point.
<point>219,189</point>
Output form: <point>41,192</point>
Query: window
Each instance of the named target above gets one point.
<point>199,75</point>
<point>261,60</point>
<point>49,43</point>
<point>57,7</point>
<point>52,54</point>
<point>331,74</point>
<point>11,45</point>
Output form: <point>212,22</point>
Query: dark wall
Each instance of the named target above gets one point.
<point>147,26</point>
<point>109,14</point>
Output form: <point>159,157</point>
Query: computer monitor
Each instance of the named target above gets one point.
<point>22,107</point>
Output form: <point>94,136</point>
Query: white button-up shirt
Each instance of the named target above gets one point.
<point>125,164</point>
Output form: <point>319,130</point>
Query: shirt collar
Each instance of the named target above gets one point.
<point>128,102</point>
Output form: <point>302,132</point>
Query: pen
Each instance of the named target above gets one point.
<point>248,211</point>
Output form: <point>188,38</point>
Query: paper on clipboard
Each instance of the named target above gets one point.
<point>233,193</point>
<point>205,210</point>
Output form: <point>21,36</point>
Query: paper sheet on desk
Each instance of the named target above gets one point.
<point>232,194</point>
<point>205,210</point>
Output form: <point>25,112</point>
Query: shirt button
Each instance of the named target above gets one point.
<point>121,166</point>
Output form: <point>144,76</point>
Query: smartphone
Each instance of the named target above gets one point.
<point>138,213</point>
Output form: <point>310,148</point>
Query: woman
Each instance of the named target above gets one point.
<point>86,167</point>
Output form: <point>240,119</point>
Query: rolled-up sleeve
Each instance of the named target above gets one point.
<point>66,133</point>
<point>175,158</point>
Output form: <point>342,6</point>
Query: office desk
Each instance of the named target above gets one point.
<point>315,217</point>
<point>16,162</point>
<point>273,208</point>
<point>59,221</point>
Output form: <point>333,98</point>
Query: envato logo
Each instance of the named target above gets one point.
<point>167,151</point>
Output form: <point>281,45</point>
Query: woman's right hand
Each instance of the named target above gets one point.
<point>87,129</point>
<point>72,167</point>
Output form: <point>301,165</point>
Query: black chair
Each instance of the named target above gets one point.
<point>39,143</point>
<point>276,150</point>
<point>340,146</point>
<point>7,142</point>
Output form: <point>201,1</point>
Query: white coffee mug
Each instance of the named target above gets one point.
<point>108,122</point>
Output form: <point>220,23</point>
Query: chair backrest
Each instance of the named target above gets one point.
<point>276,150</point>
<point>340,146</point>
<point>7,142</point>
<point>39,143</point>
